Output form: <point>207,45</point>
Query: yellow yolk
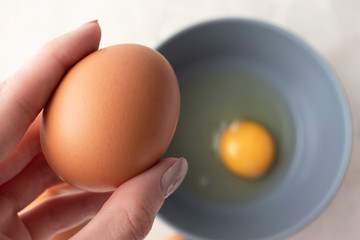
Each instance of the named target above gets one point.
<point>247,149</point>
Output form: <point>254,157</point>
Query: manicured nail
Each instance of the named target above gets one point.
<point>174,176</point>
<point>91,22</point>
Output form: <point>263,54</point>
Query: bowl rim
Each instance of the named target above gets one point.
<point>334,80</point>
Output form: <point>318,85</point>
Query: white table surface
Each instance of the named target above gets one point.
<point>330,26</point>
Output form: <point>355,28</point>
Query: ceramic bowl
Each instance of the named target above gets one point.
<point>240,68</point>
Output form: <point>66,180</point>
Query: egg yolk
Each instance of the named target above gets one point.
<point>247,149</point>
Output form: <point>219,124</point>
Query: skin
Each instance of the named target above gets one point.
<point>126,213</point>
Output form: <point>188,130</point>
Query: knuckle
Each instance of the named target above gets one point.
<point>138,219</point>
<point>22,104</point>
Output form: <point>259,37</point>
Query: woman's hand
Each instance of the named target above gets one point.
<point>127,213</point>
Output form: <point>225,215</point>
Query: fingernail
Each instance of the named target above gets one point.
<point>91,22</point>
<point>174,176</point>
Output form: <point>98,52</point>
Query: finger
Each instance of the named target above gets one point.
<point>62,213</point>
<point>3,237</point>
<point>130,211</point>
<point>26,150</point>
<point>29,183</point>
<point>25,93</point>
<point>57,190</point>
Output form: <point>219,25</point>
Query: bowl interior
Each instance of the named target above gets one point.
<point>241,69</point>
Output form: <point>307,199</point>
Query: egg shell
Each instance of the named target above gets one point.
<point>112,116</point>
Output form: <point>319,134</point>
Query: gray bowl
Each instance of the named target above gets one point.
<point>243,69</point>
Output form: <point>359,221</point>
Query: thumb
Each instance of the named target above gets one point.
<point>130,211</point>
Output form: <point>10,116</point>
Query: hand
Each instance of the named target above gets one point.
<point>127,213</point>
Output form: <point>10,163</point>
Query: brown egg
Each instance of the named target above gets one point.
<point>111,117</point>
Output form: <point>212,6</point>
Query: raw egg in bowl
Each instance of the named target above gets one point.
<point>265,126</point>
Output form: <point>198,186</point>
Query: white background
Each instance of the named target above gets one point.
<point>332,27</point>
